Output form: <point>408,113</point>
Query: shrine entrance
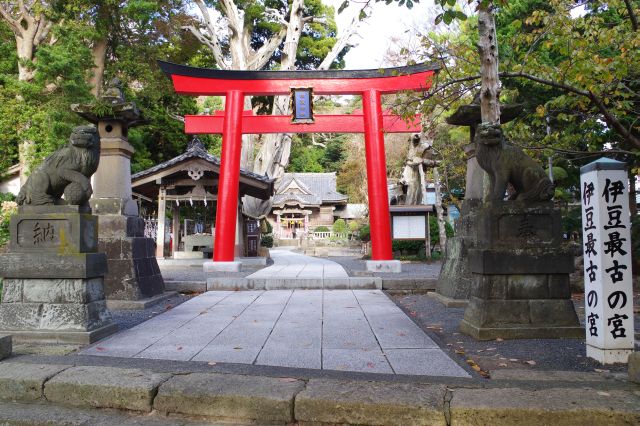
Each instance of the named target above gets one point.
<point>233,122</point>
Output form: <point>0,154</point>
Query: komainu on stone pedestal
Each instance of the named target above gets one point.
<point>53,274</point>
<point>520,287</point>
<point>507,164</point>
<point>66,171</point>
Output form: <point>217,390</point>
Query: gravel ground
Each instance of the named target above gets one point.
<point>441,323</point>
<point>355,266</point>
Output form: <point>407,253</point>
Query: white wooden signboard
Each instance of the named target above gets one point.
<point>406,227</point>
<point>606,239</point>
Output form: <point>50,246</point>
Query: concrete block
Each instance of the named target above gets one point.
<point>265,399</point>
<point>6,346</point>
<point>51,265</point>
<point>336,283</point>
<point>372,403</point>
<point>558,406</point>
<point>359,283</point>
<point>186,286</point>
<point>386,266</point>
<point>527,287</point>
<point>23,382</point>
<point>105,387</point>
<point>65,290</point>
<point>232,283</point>
<point>553,312</point>
<point>634,367</point>
<point>559,286</point>
<point>20,316</point>
<point>210,266</point>
<point>428,362</point>
<point>74,316</point>
<point>12,290</point>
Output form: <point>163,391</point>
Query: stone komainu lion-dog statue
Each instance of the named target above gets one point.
<point>508,164</point>
<point>66,171</point>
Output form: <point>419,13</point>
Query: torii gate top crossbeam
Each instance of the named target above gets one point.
<point>204,81</point>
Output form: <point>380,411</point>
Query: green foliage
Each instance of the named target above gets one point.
<point>365,233</point>
<point>7,208</point>
<point>353,226</point>
<point>266,241</point>
<point>326,156</point>
<point>572,221</point>
<point>435,232</point>
<point>339,226</point>
<point>265,227</point>
<point>321,228</point>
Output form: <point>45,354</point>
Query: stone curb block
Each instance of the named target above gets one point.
<point>370,403</point>
<point>105,387</point>
<point>557,406</point>
<point>24,382</point>
<point>6,346</point>
<point>634,367</point>
<point>229,396</point>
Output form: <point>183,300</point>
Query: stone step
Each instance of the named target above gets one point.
<point>234,283</point>
<point>290,397</point>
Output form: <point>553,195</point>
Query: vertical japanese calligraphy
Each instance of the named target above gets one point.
<point>607,261</point>
<point>302,105</point>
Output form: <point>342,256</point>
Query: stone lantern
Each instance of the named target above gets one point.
<point>134,280</point>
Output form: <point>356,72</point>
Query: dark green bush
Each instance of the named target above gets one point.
<point>322,228</point>
<point>266,241</point>
<point>365,233</point>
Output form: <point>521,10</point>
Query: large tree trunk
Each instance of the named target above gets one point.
<point>488,46</point>
<point>442,230</point>
<point>99,52</point>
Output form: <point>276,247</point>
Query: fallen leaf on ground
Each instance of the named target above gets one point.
<point>530,362</point>
<point>513,359</point>
<point>599,370</point>
<point>499,339</point>
<point>400,333</point>
<point>212,363</point>
<point>287,379</point>
<point>459,352</point>
<point>203,312</point>
<point>370,365</point>
<point>604,393</point>
<point>502,364</point>
<point>491,349</point>
<point>179,348</point>
<point>168,307</point>
<point>238,348</point>
<point>412,313</point>
<point>100,348</point>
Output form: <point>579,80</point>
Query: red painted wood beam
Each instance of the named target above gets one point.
<point>201,86</point>
<point>260,124</point>
<point>203,81</point>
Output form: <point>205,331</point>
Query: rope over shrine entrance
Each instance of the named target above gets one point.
<point>233,122</point>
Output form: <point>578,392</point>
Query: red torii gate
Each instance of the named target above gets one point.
<point>233,122</point>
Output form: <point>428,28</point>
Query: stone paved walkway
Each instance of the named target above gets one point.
<point>350,330</point>
<point>287,264</point>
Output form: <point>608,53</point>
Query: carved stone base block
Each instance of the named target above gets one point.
<point>53,278</point>
<point>521,307</point>
<point>55,310</point>
<point>520,287</point>
<point>133,272</point>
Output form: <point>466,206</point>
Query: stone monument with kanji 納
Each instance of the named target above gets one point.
<point>53,272</point>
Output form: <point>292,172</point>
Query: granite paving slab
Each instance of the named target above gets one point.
<point>345,330</point>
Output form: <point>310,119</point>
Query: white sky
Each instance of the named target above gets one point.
<point>376,32</point>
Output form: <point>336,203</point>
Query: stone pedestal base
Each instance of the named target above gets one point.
<point>454,282</point>
<point>386,266</point>
<point>520,287</point>
<point>55,310</point>
<point>133,272</point>
<point>609,356</point>
<point>448,301</point>
<point>211,266</point>
<point>53,278</point>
